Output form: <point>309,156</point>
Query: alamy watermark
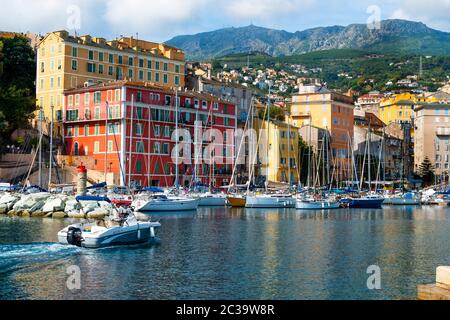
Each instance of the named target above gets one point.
<point>73,282</point>
<point>374,280</point>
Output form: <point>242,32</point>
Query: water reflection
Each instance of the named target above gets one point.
<point>228,253</point>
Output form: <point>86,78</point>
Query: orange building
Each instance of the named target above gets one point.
<point>141,120</point>
<point>322,108</point>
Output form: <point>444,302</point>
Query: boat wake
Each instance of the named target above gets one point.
<point>15,255</point>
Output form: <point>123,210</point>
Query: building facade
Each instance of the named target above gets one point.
<point>432,137</point>
<point>136,141</point>
<point>334,112</point>
<point>66,62</point>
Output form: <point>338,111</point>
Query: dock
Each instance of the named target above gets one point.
<point>439,290</point>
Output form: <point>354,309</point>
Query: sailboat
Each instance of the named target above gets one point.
<point>267,200</point>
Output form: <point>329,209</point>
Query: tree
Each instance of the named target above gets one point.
<point>426,172</point>
<point>276,113</point>
<point>17,89</point>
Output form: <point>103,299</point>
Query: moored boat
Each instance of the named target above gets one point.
<point>312,204</point>
<point>237,201</point>
<point>367,202</point>
<point>270,201</point>
<point>162,203</point>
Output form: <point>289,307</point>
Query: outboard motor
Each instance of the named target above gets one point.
<point>74,236</point>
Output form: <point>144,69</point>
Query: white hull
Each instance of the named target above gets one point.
<point>269,202</point>
<point>98,237</point>
<point>316,205</point>
<point>212,201</point>
<point>161,205</point>
<point>401,202</point>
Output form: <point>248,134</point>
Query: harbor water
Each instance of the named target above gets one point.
<point>219,253</point>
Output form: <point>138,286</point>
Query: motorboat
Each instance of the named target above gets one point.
<point>162,203</point>
<point>270,201</point>
<point>316,204</point>
<point>237,201</point>
<point>406,199</point>
<point>121,228</point>
<point>366,202</point>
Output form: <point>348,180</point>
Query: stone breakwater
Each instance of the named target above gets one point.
<point>46,205</point>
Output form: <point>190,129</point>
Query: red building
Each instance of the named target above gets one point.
<point>137,148</point>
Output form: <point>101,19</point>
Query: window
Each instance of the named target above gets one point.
<point>226,121</point>
<point>97,130</point>
<point>130,61</point>
<point>91,55</point>
<point>77,100</point>
<point>100,56</point>
<point>156,148</point>
<point>149,76</point>
<point>138,166</point>
<point>52,82</point>
<point>141,75</point>
<point>138,129</point>
<point>97,97</point>
<point>110,146</point>
<point>196,104</point>
<point>204,105</point>
<point>96,147</point>
<point>157,65</point>
<point>166,131</point>
<point>59,82</point>
<point>157,77</point>
<point>141,63</point>
<point>120,59</point>
<point>86,130</point>
<point>97,113</point>
<point>74,65</point>
<point>111,58</point>
<point>138,113</point>
<point>140,147</point>
<point>117,95</point>
<point>70,101</point>
<point>76,131</point>
<point>70,132</point>
<point>100,69</point>
<point>157,131</point>
<point>91,67</point>
<point>149,64</point>
<point>130,74</point>
<point>177,69</point>
<point>110,71</point>
<point>165,78</point>
<point>177,80</point>
<point>74,52</point>
<point>165,149</point>
<point>166,66</point>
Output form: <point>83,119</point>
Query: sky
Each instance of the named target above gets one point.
<point>160,20</point>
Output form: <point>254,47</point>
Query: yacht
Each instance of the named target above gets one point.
<point>316,204</point>
<point>237,200</point>
<point>407,199</point>
<point>212,200</point>
<point>162,203</point>
<point>366,202</point>
<point>270,201</point>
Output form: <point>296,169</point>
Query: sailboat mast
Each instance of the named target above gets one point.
<point>369,169</point>
<point>268,139</point>
<point>130,160</point>
<point>106,141</point>
<point>177,140</point>
<point>51,151</point>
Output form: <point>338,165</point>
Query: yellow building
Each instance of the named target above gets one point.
<point>283,151</point>
<point>399,108</point>
<point>66,62</point>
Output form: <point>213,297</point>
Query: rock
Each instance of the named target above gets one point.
<point>59,215</point>
<point>38,206</point>
<point>48,215</point>
<point>38,214</point>
<point>3,209</point>
<point>12,213</point>
<point>25,213</point>
<point>76,215</point>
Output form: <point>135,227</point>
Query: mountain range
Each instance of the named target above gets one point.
<point>393,36</point>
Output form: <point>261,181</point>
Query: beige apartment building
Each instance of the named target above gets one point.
<point>329,110</point>
<point>432,137</point>
<point>66,62</point>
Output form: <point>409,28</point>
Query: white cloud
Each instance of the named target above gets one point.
<point>44,16</point>
<point>158,17</point>
<point>265,9</point>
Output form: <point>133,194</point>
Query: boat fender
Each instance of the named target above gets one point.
<point>74,236</point>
